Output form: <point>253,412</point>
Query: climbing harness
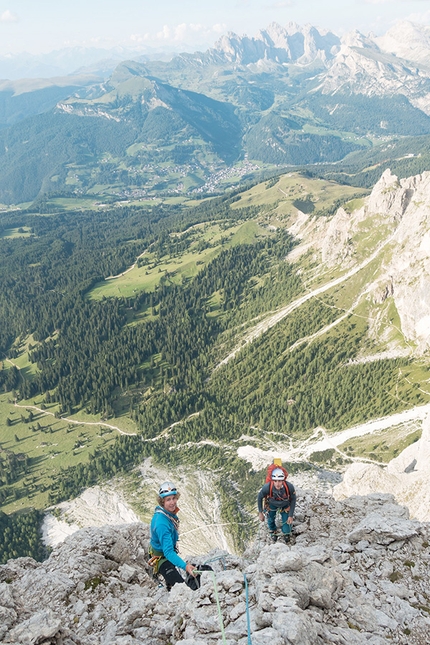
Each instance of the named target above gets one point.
<point>156,560</point>
<point>153,562</point>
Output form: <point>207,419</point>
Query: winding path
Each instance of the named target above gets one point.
<point>275,318</point>
<point>320,440</point>
<point>74,421</point>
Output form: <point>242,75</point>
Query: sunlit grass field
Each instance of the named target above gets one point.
<point>177,268</point>
<point>292,191</point>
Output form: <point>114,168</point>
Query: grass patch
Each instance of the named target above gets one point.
<point>49,443</point>
<point>206,242</point>
<point>353,205</point>
<point>20,352</point>
<point>12,233</point>
<point>292,190</point>
<point>383,445</point>
<point>369,233</point>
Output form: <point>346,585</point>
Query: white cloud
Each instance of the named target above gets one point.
<point>164,34</point>
<point>183,32</point>
<point>219,28</point>
<point>420,17</point>
<point>180,32</point>
<point>8,16</point>
<point>281,5</point>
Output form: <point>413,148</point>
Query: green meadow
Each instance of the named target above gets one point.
<point>382,446</point>
<point>50,443</point>
<point>12,233</point>
<point>283,196</point>
<point>35,429</point>
<point>177,268</point>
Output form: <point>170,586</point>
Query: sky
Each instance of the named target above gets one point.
<point>40,26</point>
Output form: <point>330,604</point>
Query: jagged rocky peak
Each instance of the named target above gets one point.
<point>356,573</point>
<point>356,39</point>
<point>392,197</point>
<point>280,44</point>
<point>363,66</point>
<point>407,40</point>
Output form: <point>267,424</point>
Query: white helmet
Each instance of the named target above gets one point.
<point>166,489</point>
<point>278,475</point>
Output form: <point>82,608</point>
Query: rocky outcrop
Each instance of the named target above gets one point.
<point>407,477</point>
<point>393,229</point>
<point>355,573</point>
<point>288,44</point>
<point>386,66</point>
<point>407,40</point>
<point>406,203</point>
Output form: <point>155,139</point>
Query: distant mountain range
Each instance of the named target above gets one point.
<point>288,96</point>
<point>72,60</point>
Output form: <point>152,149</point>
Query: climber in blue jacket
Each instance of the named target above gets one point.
<point>164,540</point>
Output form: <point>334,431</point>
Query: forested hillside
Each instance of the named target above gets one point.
<point>201,123</point>
<point>195,260</point>
<point>85,353</point>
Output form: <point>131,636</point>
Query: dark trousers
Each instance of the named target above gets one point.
<point>172,576</point>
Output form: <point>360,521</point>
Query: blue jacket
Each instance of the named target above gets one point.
<point>164,536</point>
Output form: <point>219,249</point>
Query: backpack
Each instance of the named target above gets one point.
<point>270,468</point>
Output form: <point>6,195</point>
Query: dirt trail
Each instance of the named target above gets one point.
<point>275,318</point>
<point>320,440</point>
<point>113,277</point>
<point>75,422</point>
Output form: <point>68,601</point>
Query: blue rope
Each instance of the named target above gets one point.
<point>218,557</point>
<point>248,619</point>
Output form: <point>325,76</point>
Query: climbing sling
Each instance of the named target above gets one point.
<point>156,560</point>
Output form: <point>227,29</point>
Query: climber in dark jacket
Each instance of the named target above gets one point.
<point>280,495</point>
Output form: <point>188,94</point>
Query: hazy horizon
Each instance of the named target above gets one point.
<point>26,27</point>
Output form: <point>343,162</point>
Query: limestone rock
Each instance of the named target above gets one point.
<point>322,589</point>
<point>383,529</point>
<point>42,626</point>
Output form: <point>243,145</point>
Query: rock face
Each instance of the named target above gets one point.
<point>394,64</point>
<point>407,477</point>
<point>291,43</point>
<point>406,40</point>
<point>94,507</point>
<point>399,211</point>
<point>355,573</point>
<point>407,271</point>
<point>362,67</point>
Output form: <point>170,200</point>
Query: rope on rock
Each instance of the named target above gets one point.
<point>248,618</point>
<point>221,622</point>
<point>219,608</point>
<point>218,557</point>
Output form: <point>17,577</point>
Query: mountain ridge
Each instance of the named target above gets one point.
<point>290,96</point>
<point>355,573</point>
